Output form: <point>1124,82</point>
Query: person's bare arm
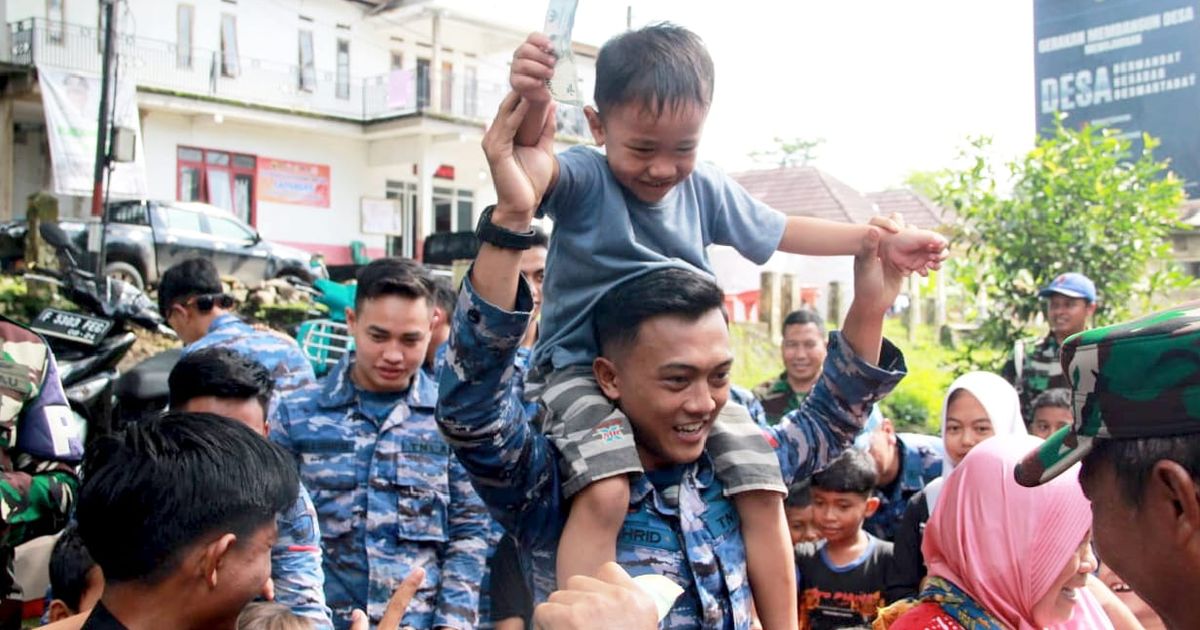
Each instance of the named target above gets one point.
<point>532,66</point>
<point>521,176</point>
<point>876,285</point>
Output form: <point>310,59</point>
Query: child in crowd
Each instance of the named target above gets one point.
<point>799,511</point>
<point>75,579</point>
<point>271,616</point>
<point>1051,412</point>
<point>643,205</point>
<point>842,578</point>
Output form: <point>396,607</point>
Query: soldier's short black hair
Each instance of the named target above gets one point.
<point>805,316</point>
<point>192,277</point>
<point>1133,460</point>
<point>619,313</point>
<point>657,67</point>
<point>444,295</point>
<point>164,484</point>
<point>219,372</point>
<point>394,276</point>
<point>70,563</point>
<point>1053,397</point>
<point>853,471</point>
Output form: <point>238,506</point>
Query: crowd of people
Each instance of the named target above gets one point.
<point>525,450</point>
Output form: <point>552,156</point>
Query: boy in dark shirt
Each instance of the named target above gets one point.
<point>841,579</point>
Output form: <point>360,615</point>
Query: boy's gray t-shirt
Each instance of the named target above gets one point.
<point>604,236</point>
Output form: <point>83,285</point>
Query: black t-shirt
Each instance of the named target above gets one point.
<point>511,595</point>
<point>841,596</point>
<point>908,564</point>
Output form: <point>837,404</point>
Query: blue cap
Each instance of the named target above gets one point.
<point>862,441</point>
<point>1074,285</point>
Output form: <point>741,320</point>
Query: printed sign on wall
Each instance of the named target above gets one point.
<point>299,183</point>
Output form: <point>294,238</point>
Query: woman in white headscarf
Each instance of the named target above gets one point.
<point>979,405</point>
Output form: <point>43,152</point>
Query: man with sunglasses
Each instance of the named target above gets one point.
<point>194,304</point>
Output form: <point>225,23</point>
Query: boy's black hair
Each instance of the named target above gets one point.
<point>805,316</point>
<point>1053,397</point>
<point>619,314</point>
<point>70,563</point>
<point>853,471</point>
<point>165,484</point>
<point>393,276</point>
<point>444,296</point>
<point>192,277</point>
<point>799,495</point>
<point>220,372</point>
<point>659,66</point>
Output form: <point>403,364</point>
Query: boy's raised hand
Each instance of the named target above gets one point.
<point>532,67</point>
<point>521,174</point>
<point>913,250</point>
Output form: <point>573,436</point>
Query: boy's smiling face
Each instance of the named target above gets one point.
<point>649,154</point>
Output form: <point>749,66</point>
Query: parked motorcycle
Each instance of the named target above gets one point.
<point>326,339</point>
<point>88,345</point>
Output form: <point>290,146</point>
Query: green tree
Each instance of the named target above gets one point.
<point>1080,201</point>
<point>789,152</point>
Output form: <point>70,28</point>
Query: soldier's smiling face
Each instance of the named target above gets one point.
<point>671,382</point>
<point>391,333</point>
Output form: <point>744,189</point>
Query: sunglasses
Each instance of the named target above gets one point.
<point>205,303</point>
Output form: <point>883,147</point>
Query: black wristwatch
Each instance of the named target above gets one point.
<point>488,232</point>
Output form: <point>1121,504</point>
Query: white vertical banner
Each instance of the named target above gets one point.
<point>72,103</point>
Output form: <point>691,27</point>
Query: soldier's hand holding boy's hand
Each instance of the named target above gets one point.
<point>876,279</point>
<point>520,174</point>
<point>532,67</point>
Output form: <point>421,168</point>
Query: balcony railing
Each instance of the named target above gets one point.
<point>161,66</point>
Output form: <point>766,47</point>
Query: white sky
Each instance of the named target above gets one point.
<point>892,86</point>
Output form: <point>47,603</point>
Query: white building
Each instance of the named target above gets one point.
<point>291,113</point>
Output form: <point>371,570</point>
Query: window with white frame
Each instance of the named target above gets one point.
<point>229,45</point>
<point>308,63</point>
<point>343,68</point>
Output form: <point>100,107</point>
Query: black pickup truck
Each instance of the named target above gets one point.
<point>144,238</point>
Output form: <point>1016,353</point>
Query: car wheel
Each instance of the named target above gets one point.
<point>125,272</point>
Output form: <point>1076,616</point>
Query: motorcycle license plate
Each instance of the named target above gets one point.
<point>73,326</point>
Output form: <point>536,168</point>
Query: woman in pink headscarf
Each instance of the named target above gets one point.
<point>1004,556</point>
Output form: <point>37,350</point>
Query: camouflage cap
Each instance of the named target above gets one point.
<point>1133,380</point>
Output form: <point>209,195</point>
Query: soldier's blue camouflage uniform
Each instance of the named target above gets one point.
<point>296,557</point>
<point>296,562</point>
<point>389,497</point>
<point>690,534</point>
<point>280,355</point>
<point>920,463</point>
<point>745,398</point>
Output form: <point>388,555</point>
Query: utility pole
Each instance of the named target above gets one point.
<point>102,128</point>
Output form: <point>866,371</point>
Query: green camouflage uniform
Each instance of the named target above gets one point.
<point>1040,371</point>
<point>1134,380</point>
<point>778,399</point>
<point>41,443</point>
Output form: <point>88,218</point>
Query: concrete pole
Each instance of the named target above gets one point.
<point>7,203</point>
<point>435,66</point>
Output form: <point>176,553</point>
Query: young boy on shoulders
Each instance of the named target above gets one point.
<point>842,577</point>
<point>644,205</point>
